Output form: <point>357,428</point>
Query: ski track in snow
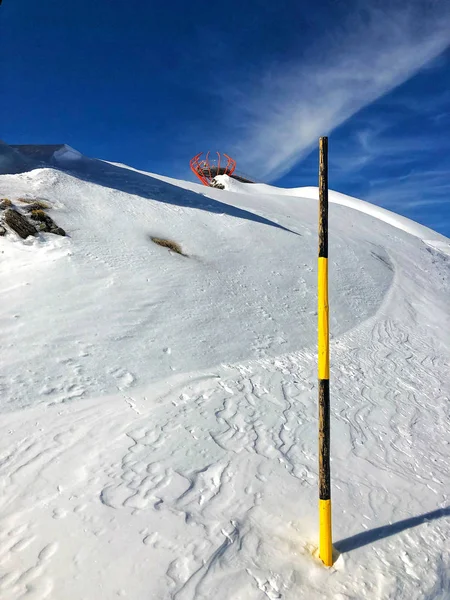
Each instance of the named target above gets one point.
<point>205,485</point>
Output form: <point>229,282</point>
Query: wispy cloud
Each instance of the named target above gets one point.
<point>418,189</point>
<point>407,172</point>
<point>380,146</point>
<point>421,195</point>
<point>279,114</point>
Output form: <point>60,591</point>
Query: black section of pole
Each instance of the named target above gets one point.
<point>323,197</point>
<point>324,440</point>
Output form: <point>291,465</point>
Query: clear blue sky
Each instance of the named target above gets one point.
<point>150,84</point>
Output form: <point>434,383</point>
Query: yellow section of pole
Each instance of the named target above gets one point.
<point>325,546</point>
<point>323,319</point>
<point>325,532</point>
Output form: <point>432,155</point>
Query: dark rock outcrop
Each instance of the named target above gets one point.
<point>46,223</point>
<point>18,223</point>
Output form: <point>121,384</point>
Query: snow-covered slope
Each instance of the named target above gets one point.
<point>380,213</point>
<point>159,427</point>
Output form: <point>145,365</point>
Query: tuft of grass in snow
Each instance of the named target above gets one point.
<point>34,203</point>
<point>41,204</point>
<point>38,214</point>
<point>168,244</point>
<point>5,203</point>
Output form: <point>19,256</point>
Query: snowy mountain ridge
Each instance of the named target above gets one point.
<point>159,427</point>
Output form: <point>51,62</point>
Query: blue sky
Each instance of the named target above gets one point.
<point>151,84</point>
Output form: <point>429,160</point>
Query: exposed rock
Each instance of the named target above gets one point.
<point>19,223</point>
<point>58,231</point>
<point>216,184</point>
<point>46,223</point>
<point>2,231</point>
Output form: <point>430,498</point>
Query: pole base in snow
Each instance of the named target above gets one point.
<point>314,550</point>
<point>325,545</point>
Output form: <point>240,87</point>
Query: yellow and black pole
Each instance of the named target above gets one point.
<point>325,538</point>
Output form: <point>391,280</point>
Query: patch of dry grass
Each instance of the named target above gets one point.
<point>5,202</point>
<point>168,244</point>
<point>41,204</point>
<point>34,204</point>
<point>38,214</point>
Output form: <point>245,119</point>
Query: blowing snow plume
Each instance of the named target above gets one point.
<point>280,113</point>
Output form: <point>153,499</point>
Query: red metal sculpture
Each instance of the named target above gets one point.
<point>206,169</point>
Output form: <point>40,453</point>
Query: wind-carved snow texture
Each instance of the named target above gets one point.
<point>197,477</point>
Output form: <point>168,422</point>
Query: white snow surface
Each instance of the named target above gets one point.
<point>159,427</point>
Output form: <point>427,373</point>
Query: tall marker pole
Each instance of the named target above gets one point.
<point>325,538</point>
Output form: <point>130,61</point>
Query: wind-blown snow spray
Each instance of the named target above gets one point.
<point>325,537</point>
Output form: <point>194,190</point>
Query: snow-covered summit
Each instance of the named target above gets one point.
<point>162,407</point>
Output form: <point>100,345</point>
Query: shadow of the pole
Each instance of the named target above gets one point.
<point>373,535</point>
